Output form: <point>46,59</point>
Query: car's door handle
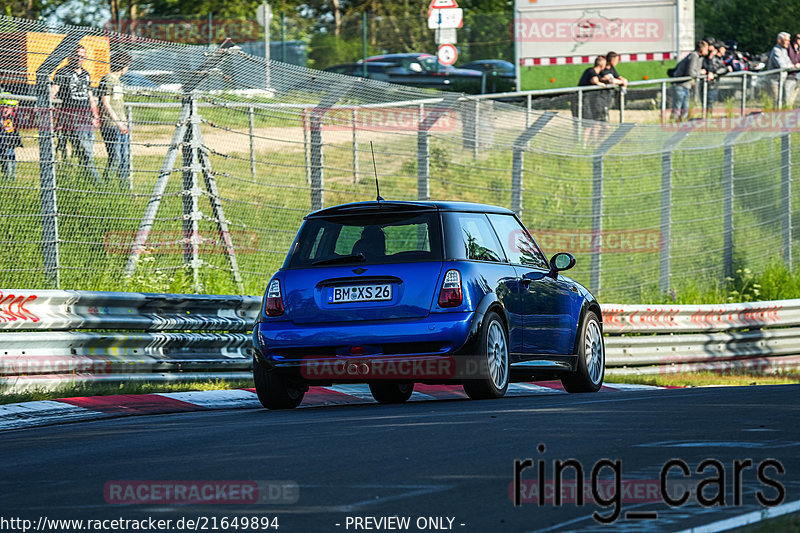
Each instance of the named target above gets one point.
<point>573,288</point>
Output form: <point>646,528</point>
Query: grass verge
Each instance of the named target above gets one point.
<point>705,379</point>
<point>110,389</point>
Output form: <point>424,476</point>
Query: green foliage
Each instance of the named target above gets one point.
<point>754,25</point>
<point>326,50</point>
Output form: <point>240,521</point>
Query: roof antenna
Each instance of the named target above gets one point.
<point>375,169</point>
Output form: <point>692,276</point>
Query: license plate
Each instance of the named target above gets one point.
<point>360,293</point>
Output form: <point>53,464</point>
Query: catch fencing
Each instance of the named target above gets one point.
<point>230,152</point>
<point>60,338</point>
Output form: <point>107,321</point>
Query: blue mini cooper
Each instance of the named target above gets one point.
<point>397,293</point>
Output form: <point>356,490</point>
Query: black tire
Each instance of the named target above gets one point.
<point>388,392</point>
<point>591,364</point>
<point>492,355</point>
<point>274,390</point>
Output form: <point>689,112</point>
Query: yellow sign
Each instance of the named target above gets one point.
<point>40,45</point>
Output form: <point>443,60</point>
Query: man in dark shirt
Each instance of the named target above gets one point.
<point>594,101</point>
<point>78,115</point>
<point>612,78</point>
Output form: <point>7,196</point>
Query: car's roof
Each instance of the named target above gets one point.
<point>398,206</point>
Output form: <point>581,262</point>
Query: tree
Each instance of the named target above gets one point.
<point>754,25</point>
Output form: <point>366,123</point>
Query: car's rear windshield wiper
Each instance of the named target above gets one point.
<point>344,259</point>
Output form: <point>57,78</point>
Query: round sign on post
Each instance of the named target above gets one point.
<point>447,54</point>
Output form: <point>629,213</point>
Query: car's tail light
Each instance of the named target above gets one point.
<point>274,299</point>
<point>450,294</point>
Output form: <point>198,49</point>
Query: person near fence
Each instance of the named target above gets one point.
<point>594,101</point>
<point>612,78</point>
<point>114,125</point>
<point>794,56</point>
<point>10,138</point>
<point>690,66</point>
<point>779,59</point>
<point>714,65</point>
<point>79,115</point>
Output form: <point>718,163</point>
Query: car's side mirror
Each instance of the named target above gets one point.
<point>561,261</point>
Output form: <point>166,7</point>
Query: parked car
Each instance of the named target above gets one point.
<point>373,284</point>
<point>498,67</point>
<point>425,70</point>
<point>375,70</point>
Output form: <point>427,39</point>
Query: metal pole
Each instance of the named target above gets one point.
<point>475,130</point>
<point>528,102</point>
<point>364,44</point>
<point>779,103</point>
<point>129,119</point>
<point>727,209</point>
<point>665,260</point>
<point>355,145</point>
<point>580,104</point>
<point>306,148</point>
<point>663,102</point>
<point>210,21</point>
<point>283,37</point>
<point>47,178</point>
<point>518,159</point>
<point>191,211</point>
<point>267,19</point>
<point>317,193</point>
<point>423,158</point>
<point>252,143</point>
<point>705,97</point>
<point>744,93</point>
<point>621,106</point>
<point>786,197</point>
<point>598,176</point>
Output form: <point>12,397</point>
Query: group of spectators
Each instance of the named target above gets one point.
<point>79,114</point>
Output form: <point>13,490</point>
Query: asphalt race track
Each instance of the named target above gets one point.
<point>441,465</point>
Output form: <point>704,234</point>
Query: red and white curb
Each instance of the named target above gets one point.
<point>62,410</point>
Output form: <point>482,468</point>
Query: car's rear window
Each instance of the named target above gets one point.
<point>377,238</point>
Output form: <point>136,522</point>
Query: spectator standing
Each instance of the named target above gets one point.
<point>779,58</point>
<point>794,56</point>
<point>714,65</point>
<point>114,126</point>
<point>594,101</point>
<point>611,77</point>
<point>691,66</point>
<point>10,139</point>
<point>78,116</point>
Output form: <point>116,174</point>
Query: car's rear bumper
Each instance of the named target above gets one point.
<point>283,344</point>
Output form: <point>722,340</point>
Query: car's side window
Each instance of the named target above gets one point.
<point>478,238</point>
<point>520,248</point>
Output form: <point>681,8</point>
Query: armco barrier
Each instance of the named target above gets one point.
<point>51,338</point>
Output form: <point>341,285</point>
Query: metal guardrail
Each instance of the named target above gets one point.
<point>54,338</point>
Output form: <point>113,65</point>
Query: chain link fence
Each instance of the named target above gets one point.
<point>228,155</point>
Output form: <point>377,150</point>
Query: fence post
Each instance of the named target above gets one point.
<point>129,119</point>
<point>779,103</point>
<point>355,145</point>
<point>316,160</point>
<point>252,143</point>
<point>306,150</point>
<point>426,121</point>
<point>744,93</point>
<point>190,193</point>
<point>598,171</point>
<point>666,210</point>
<point>663,102</point>
<point>622,105</point>
<point>727,203</point>
<point>47,177</point>
<point>423,158</point>
<point>705,97</point>
<point>580,104</point>
<point>251,117</point>
<point>528,103</point>
<point>475,131</point>
<point>47,169</point>
<point>786,197</point>
<point>518,159</point>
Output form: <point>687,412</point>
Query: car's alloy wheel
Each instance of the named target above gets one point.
<point>274,390</point>
<point>591,363</point>
<point>493,355</point>
<point>388,392</point>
